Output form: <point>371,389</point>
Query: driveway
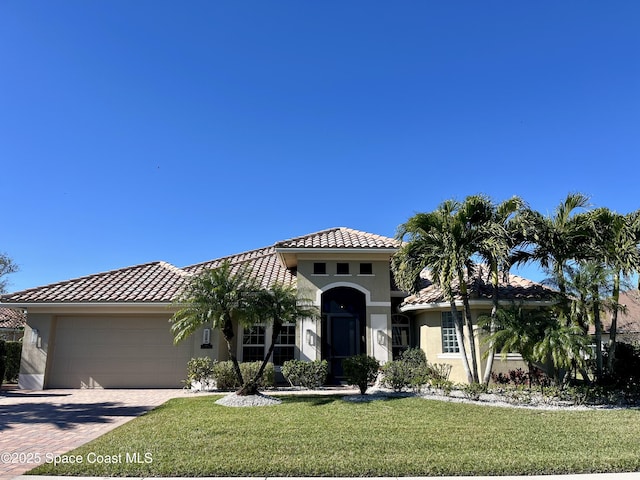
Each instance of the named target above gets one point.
<point>37,424</point>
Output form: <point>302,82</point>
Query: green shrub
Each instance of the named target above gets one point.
<point>472,391</point>
<point>14,353</point>
<point>413,371</point>
<point>3,360</point>
<point>396,375</point>
<point>414,357</point>
<point>445,385</point>
<point>309,375</point>
<point>225,376</point>
<point>200,373</point>
<point>250,369</point>
<point>361,370</point>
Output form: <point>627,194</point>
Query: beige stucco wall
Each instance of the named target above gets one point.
<point>429,323</point>
<point>376,288</point>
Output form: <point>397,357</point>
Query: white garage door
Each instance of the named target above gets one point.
<point>117,352</point>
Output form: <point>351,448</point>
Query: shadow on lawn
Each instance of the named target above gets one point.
<point>65,416</point>
<point>312,400</point>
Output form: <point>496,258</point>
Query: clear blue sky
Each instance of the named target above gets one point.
<point>134,131</point>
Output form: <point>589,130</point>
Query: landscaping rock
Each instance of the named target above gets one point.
<point>259,400</point>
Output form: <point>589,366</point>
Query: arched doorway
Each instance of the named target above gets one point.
<point>343,328</point>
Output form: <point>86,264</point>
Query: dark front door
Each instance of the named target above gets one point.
<point>344,341</point>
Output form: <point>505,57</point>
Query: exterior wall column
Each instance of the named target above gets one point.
<point>38,342</point>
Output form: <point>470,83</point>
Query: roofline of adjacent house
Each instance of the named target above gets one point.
<point>472,303</point>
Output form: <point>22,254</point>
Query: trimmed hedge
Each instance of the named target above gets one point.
<point>310,375</point>
<point>14,353</point>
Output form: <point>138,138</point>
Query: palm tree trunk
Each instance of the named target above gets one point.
<point>494,311</point>
<point>614,323</point>
<point>472,336</point>
<point>598,330</point>
<point>227,333</point>
<point>457,321</point>
<point>251,387</point>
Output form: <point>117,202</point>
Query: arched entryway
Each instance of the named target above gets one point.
<point>343,328</point>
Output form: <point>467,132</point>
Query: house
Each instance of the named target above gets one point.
<point>628,326</point>
<point>12,323</point>
<point>111,329</point>
<point>432,319</point>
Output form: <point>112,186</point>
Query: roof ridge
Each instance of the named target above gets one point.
<point>319,232</point>
<point>174,269</point>
<point>226,257</point>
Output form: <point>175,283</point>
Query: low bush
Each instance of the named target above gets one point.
<point>472,391</point>
<point>303,374</point>
<point>3,360</point>
<point>250,369</point>
<point>13,353</point>
<point>200,373</point>
<point>224,375</point>
<point>413,371</point>
<point>361,370</point>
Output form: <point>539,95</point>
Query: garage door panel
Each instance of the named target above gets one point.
<point>117,352</point>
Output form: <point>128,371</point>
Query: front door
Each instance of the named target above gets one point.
<point>344,341</point>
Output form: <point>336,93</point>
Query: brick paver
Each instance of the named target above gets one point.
<point>34,424</point>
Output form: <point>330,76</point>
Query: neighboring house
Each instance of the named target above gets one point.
<point>628,329</point>
<point>111,329</point>
<point>12,323</point>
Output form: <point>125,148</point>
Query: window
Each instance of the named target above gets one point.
<point>449,340</point>
<point>342,269</point>
<point>400,334</point>
<point>320,268</point>
<point>285,344</point>
<point>366,269</point>
<point>253,343</point>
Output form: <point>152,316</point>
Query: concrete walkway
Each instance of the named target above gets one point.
<point>34,424</point>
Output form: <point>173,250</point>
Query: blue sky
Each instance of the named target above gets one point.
<point>184,131</point>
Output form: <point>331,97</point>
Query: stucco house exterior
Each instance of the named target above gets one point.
<point>111,329</point>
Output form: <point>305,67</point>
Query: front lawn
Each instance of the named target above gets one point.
<point>326,436</point>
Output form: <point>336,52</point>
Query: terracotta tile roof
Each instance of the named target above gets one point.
<point>160,282</point>
<point>479,286</point>
<point>150,282</point>
<point>629,321</point>
<point>12,318</point>
<point>340,237</point>
<point>264,264</point>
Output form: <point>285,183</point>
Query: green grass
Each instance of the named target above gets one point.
<point>326,436</point>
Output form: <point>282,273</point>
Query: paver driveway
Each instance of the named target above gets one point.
<point>34,424</point>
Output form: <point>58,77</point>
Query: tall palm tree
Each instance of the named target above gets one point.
<point>279,304</point>
<point>442,241</point>
<point>586,284</point>
<point>615,245</point>
<point>497,237</point>
<point>219,297</point>
<point>555,239</point>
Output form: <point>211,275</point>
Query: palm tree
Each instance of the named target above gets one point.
<point>516,330</point>
<point>443,242</point>
<point>220,297</point>
<point>586,284</point>
<point>497,237</point>
<point>279,304</point>
<point>615,245</point>
<point>555,239</point>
